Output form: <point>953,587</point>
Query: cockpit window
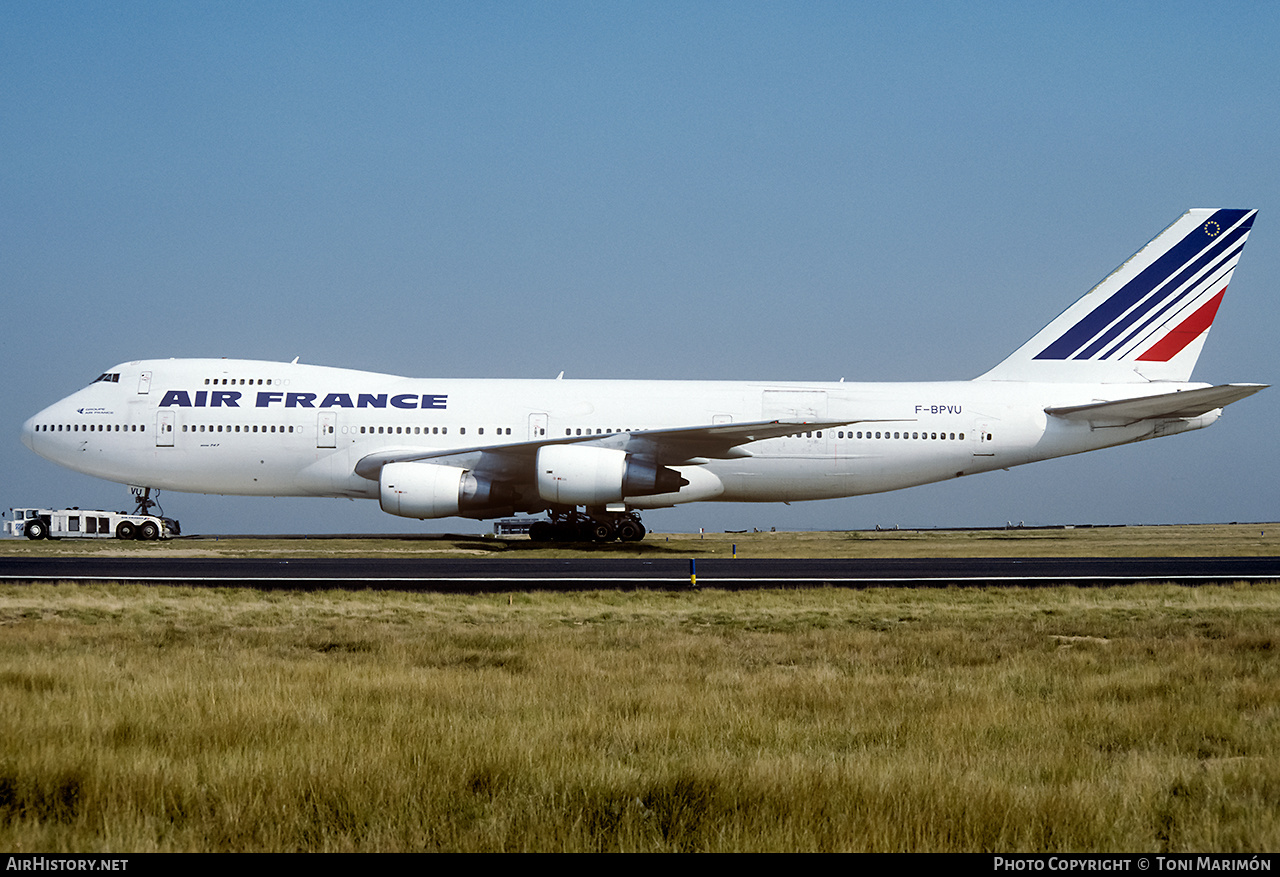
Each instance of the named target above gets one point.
<point>111,378</point>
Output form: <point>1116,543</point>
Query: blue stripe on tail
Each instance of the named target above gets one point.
<point>1206,241</point>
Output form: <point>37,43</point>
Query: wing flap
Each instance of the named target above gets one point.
<point>1188,403</point>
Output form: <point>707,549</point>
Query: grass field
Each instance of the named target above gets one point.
<point>1141,718</point>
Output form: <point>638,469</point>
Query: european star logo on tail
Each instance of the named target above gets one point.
<point>1148,319</point>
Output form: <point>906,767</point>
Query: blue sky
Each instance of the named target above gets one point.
<point>691,190</point>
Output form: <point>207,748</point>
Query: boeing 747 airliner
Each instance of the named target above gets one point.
<point>1114,368</point>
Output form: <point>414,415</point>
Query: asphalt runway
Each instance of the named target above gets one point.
<point>475,575</point>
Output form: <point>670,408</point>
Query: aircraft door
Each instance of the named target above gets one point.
<point>983,443</point>
<point>164,428</point>
<point>144,383</point>
<point>537,426</point>
<point>327,430</point>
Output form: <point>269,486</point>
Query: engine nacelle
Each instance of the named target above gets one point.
<point>591,476</point>
<point>425,490</point>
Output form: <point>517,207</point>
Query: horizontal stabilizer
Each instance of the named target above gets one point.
<point>1188,403</point>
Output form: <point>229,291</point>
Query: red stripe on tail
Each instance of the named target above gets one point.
<point>1187,331</point>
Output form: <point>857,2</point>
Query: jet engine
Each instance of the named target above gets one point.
<point>591,476</point>
<point>428,490</point>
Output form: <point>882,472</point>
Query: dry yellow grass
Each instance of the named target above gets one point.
<point>1140,718</point>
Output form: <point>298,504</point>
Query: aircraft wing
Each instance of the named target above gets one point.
<point>663,447</point>
<point>720,441</point>
<point>1188,403</point>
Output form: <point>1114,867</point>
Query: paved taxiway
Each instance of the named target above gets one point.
<point>481,574</point>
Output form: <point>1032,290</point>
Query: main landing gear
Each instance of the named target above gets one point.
<point>577,527</point>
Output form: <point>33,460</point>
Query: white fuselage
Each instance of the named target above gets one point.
<point>1112,368</point>
<point>264,428</point>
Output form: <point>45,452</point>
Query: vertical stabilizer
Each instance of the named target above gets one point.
<point>1148,319</point>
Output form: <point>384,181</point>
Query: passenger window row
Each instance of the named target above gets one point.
<point>615,431</point>
<point>422,430</point>
<point>233,382</point>
<point>236,428</point>
<point>256,428</point>
<point>90,427</point>
<point>932,436</point>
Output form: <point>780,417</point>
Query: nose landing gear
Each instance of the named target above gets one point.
<point>143,503</point>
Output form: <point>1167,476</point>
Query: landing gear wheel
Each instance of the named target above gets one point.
<point>124,530</point>
<point>630,530</point>
<point>541,531</point>
<point>602,531</point>
<point>148,531</point>
<point>36,529</point>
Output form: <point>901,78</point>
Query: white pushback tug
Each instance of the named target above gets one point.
<point>77,523</point>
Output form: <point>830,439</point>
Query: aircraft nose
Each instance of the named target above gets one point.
<point>29,433</point>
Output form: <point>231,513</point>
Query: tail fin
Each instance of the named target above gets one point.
<point>1148,319</point>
